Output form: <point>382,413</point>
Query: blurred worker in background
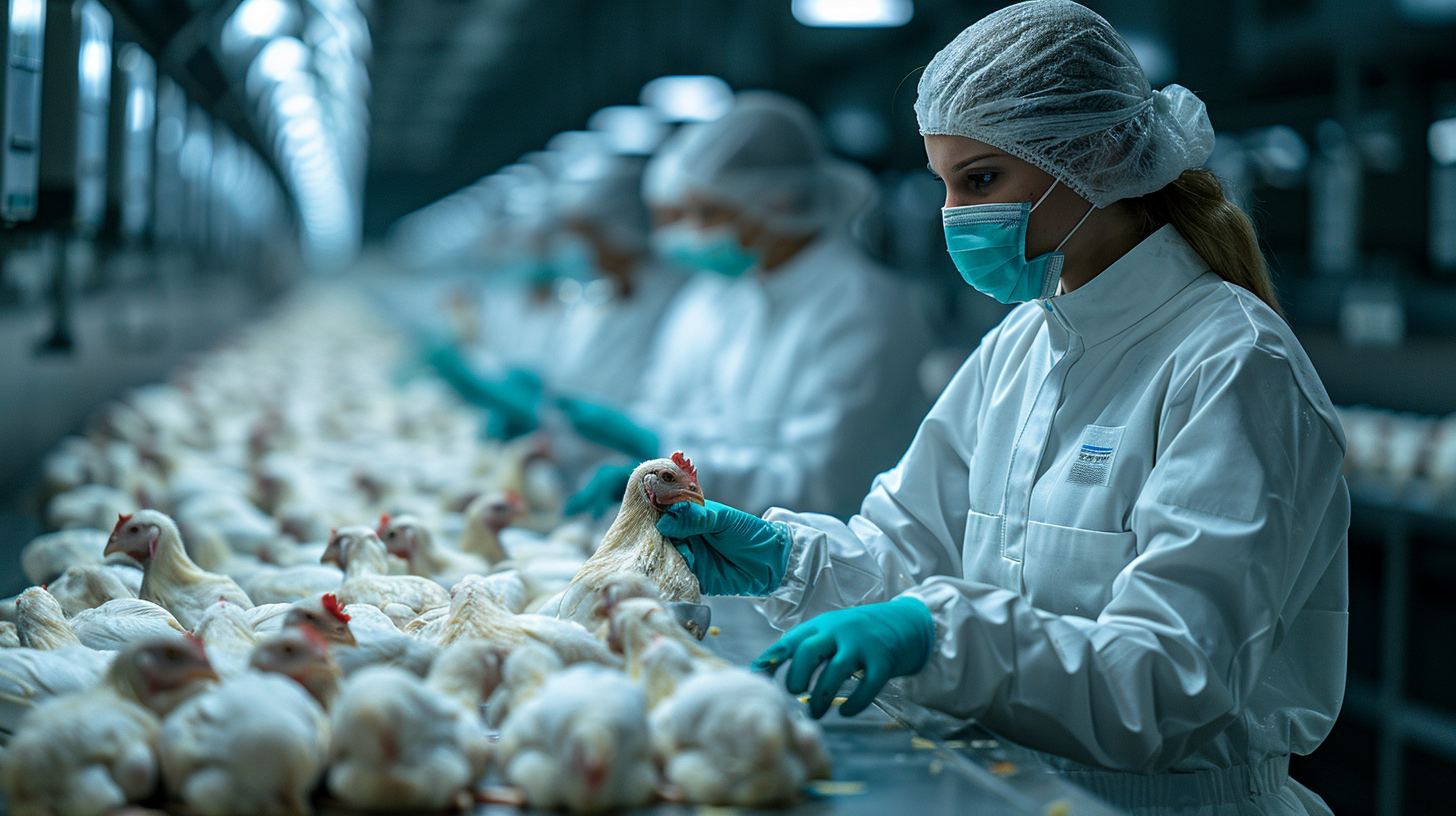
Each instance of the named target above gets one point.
<point>787,364</point>
<point>1119,537</point>
<point>587,265</point>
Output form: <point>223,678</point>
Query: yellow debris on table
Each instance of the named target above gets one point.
<point>1060,807</point>
<point>1003,768</point>
<point>922,744</point>
<point>836,701</point>
<point>825,787</point>
<point>713,630</point>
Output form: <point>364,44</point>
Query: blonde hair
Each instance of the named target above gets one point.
<point>1220,232</point>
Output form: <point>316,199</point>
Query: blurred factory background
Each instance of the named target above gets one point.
<point>170,167</point>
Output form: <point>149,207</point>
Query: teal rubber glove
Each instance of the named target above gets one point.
<point>731,552</point>
<point>512,401</point>
<point>883,640</point>
<point>609,427</point>
<point>604,489</point>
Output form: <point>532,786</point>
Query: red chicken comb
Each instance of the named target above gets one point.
<point>687,466</point>
<point>383,524</point>
<point>331,606</point>
<point>121,518</point>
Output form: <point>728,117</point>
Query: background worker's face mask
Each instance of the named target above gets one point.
<point>987,242</point>
<point>715,249</point>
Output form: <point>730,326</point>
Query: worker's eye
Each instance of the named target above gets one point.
<point>981,179</point>
<point>172,654</point>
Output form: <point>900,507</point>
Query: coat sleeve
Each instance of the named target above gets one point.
<point>1243,513</point>
<point>909,527</point>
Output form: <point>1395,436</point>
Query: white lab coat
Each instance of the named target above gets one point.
<point>793,388</point>
<point>605,341</point>
<point>1127,518</point>
<point>520,326</point>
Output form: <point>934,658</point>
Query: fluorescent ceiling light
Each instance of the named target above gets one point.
<point>1441,139</point>
<point>688,98</point>
<point>853,13</point>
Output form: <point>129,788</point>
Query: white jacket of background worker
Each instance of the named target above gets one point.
<point>790,388</point>
<point>1127,518</point>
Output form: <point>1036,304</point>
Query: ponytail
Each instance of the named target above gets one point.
<point>1215,227</point>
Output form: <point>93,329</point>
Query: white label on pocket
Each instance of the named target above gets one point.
<point>1093,465</point>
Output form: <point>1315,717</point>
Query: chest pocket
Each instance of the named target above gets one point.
<point>1069,571</point>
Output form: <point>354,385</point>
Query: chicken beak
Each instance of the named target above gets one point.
<point>346,638</point>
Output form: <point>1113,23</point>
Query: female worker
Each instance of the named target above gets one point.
<point>787,364</point>
<point>1119,537</point>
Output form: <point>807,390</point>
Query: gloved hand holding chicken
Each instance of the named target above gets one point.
<point>731,552</point>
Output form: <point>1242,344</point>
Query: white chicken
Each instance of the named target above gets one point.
<point>87,586</point>
<point>362,556</point>
<point>524,672</point>
<point>485,517</point>
<point>91,506</point>
<point>581,743</point>
<point>477,614</point>
<point>228,636</point>
<point>40,623</point>
<point>633,544</point>
<point>379,642</point>
<point>301,654</point>
<point>400,743</point>
<point>730,737</point>
<point>47,556</point>
<point>87,754</point>
<point>253,746</point>
<point>407,537</point>
<point>29,677</point>
<point>116,623</point>
<point>170,578</point>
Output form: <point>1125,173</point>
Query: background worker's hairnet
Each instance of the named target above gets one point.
<point>1051,82</point>
<point>604,192</point>
<point>765,157</point>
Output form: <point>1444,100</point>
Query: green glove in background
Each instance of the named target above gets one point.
<point>604,489</point>
<point>609,427</point>
<point>882,639</point>
<point>512,401</point>
<point>731,552</point>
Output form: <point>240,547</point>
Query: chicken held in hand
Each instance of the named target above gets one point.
<point>90,753</point>
<point>170,579</point>
<point>633,544</point>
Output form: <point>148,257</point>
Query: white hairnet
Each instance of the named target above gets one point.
<point>605,192</point>
<point>765,157</point>
<point>663,181</point>
<point>1051,82</point>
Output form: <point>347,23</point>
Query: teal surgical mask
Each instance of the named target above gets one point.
<point>715,249</point>
<point>987,242</point>
<point>674,243</point>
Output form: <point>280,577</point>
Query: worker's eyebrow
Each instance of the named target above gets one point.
<point>973,160</point>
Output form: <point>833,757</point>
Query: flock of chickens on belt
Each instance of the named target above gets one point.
<point>213,626</point>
